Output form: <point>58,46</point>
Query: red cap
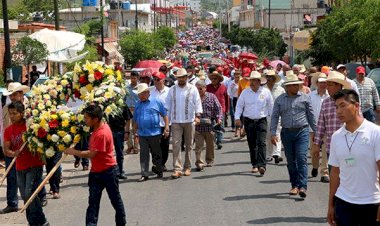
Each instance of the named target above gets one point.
<point>246,72</point>
<point>159,75</point>
<point>360,70</point>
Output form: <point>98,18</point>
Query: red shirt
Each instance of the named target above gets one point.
<point>25,159</point>
<point>221,94</point>
<point>101,141</point>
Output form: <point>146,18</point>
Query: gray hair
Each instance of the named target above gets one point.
<point>201,83</point>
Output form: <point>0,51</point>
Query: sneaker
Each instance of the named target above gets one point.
<point>278,159</point>
<point>262,171</point>
<point>269,159</point>
<point>302,193</point>
<point>176,174</point>
<point>123,176</point>
<point>219,146</point>
<point>8,209</point>
<point>44,201</point>
<point>200,168</point>
<point>142,179</point>
<point>187,172</point>
<point>314,172</point>
<point>160,175</point>
<point>325,179</point>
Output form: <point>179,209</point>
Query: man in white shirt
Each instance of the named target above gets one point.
<point>192,79</point>
<point>355,163</point>
<point>255,104</point>
<point>317,97</point>
<point>342,69</point>
<point>160,92</point>
<point>184,109</point>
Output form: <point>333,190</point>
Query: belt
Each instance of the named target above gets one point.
<point>295,129</point>
<point>254,120</point>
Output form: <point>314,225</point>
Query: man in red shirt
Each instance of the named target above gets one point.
<point>104,171</point>
<point>28,167</point>
<point>220,91</point>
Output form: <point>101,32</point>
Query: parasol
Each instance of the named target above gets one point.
<point>250,56</point>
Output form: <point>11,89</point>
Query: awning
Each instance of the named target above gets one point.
<point>302,39</point>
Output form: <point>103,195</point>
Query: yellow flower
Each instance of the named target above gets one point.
<point>77,68</point>
<point>54,116</point>
<point>77,138</point>
<point>73,118</point>
<point>49,137</point>
<point>35,112</point>
<point>73,129</point>
<point>108,71</point>
<point>24,138</point>
<point>61,133</point>
<point>77,86</point>
<point>62,96</point>
<point>119,77</point>
<point>64,82</point>
<point>67,139</point>
<point>108,95</point>
<point>89,87</point>
<point>80,118</point>
<point>61,147</point>
<point>40,150</point>
<point>65,123</point>
<point>108,110</point>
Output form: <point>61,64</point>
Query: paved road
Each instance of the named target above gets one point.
<point>226,194</point>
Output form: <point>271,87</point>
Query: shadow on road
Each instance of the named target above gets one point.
<point>273,220</point>
<point>261,196</point>
<point>245,173</point>
<point>235,152</point>
<point>274,182</point>
<point>232,163</point>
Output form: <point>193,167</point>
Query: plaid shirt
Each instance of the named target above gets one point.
<point>328,123</point>
<point>368,94</point>
<point>211,110</point>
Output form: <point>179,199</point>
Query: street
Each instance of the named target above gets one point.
<point>226,194</point>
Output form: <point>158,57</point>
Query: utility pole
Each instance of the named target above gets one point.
<point>102,30</point>
<point>154,15</point>
<point>56,15</point>
<point>8,59</point>
<point>269,15</point>
<point>136,17</point>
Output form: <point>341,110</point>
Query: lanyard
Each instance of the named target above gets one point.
<point>350,146</point>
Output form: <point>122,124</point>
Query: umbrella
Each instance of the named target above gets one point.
<point>217,61</point>
<point>276,62</point>
<point>148,64</point>
<point>249,56</point>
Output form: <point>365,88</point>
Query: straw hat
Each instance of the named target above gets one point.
<point>291,79</point>
<point>257,75</point>
<point>217,74</point>
<point>338,77</point>
<point>318,76</point>
<point>15,87</point>
<point>142,87</point>
<point>181,72</point>
<point>273,73</point>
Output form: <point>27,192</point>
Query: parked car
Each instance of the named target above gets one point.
<point>351,69</point>
<point>375,76</point>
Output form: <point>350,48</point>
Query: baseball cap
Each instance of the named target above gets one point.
<point>360,70</point>
<point>159,75</point>
<point>246,72</point>
<point>340,66</point>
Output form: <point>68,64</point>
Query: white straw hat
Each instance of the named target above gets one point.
<point>15,87</point>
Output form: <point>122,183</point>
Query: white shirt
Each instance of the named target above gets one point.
<point>353,85</point>
<point>276,91</point>
<point>183,103</point>
<point>254,105</point>
<point>232,89</point>
<point>316,102</point>
<point>161,95</point>
<point>359,183</point>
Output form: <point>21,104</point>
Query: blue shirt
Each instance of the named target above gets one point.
<point>295,112</point>
<point>147,116</point>
<point>131,98</point>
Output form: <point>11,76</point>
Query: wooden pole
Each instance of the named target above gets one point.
<point>11,165</point>
<point>39,188</point>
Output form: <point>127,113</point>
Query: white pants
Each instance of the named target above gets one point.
<point>273,150</point>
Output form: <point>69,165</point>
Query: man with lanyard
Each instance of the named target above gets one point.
<point>255,104</point>
<point>192,79</point>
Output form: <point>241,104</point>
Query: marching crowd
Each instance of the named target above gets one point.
<point>189,102</point>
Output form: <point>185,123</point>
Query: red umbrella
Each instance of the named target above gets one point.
<point>154,64</point>
<point>249,56</point>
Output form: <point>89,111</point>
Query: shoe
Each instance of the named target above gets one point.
<point>302,193</point>
<point>164,169</point>
<point>254,170</point>
<point>123,176</point>
<point>44,201</point>
<point>85,168</point>
<point>210,164</point>
<point>76,163</point>
<point>269,159</point>
<point>325,179</point>
<point>8,209</point>
<point>278,159</point>
<point>294,191</point>
<point>219,146</point>
<point>314,172</point>
<point>176,174</point>
<point>154,169</point>
<point>56,195</point>
<point>187,172</point>
<point>160,175</point>
<point>142,179</point>
<point>200,168</point>
<point>262,171</point>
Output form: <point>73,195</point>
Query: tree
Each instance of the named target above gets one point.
<point>166,36</point>
<point>29,51</point>
<point>139,45</point>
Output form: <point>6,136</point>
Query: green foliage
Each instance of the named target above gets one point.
<point>214,6</point>
<point>29,51</point>
<point>139,45</point>
<point>350,32</point>
<point>166,36</point>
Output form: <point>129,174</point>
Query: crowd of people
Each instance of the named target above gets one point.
<point>191,100</point>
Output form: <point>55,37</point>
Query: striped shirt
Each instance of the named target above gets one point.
<point>295,112</point>
<point>328,123</point>
<point>211,110</point>
<point>368,94</point>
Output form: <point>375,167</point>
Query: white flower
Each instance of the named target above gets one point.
<point>67,139</point>
<point>83,91</point>
<point>75,76</point>
<point>53,93</point>
<point>91,78</point>
<point>50,152</point>
<point>48,103</point>
<point>35,112</point>
<point>65,116</point>
<point>59,88</point>
<point>64,82</point>
<point>86,129</point>
<point>41,106</point>
<point>55,138</point>
<point>46,97</point>
<point>39,144</point>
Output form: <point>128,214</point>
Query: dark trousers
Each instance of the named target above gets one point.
<point>12,199</point>
<point>107,179</point>
<point>28,181</point>
<point>348,214</point>
<point>164,144</point>
<point>118,141</point>
<point>82,146</point>
<point>56,178</point>
<point>256,136</point>
<point>147,144</point>
<point>370,115</point>
<point>232,111</point>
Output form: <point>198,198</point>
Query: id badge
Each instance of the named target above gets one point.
<point>350,161</point>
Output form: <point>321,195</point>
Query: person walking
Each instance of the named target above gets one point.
<point>104,171</point>
<point>354,195</point>
<point>212,114</point>
<point>232,93</point>
<point>255,104</point>
<point>130,100</point>
<point>296,112</point>
<point>184,109</point>
<point>147,124</point>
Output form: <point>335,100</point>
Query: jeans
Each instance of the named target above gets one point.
<point>28,181</point>
<point>219,133</point>
<point>348,214</point>
<point>232,113</point>
<point>12,199</point>
<point>82,146</point>
<point>256,137</point>
<point>164,143</point>
<point>55,179</point>
<point>296,147</point>
<point>107,179</point>
<point>370,115</point>
<point>148,144</point>
<point>118,141</point>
